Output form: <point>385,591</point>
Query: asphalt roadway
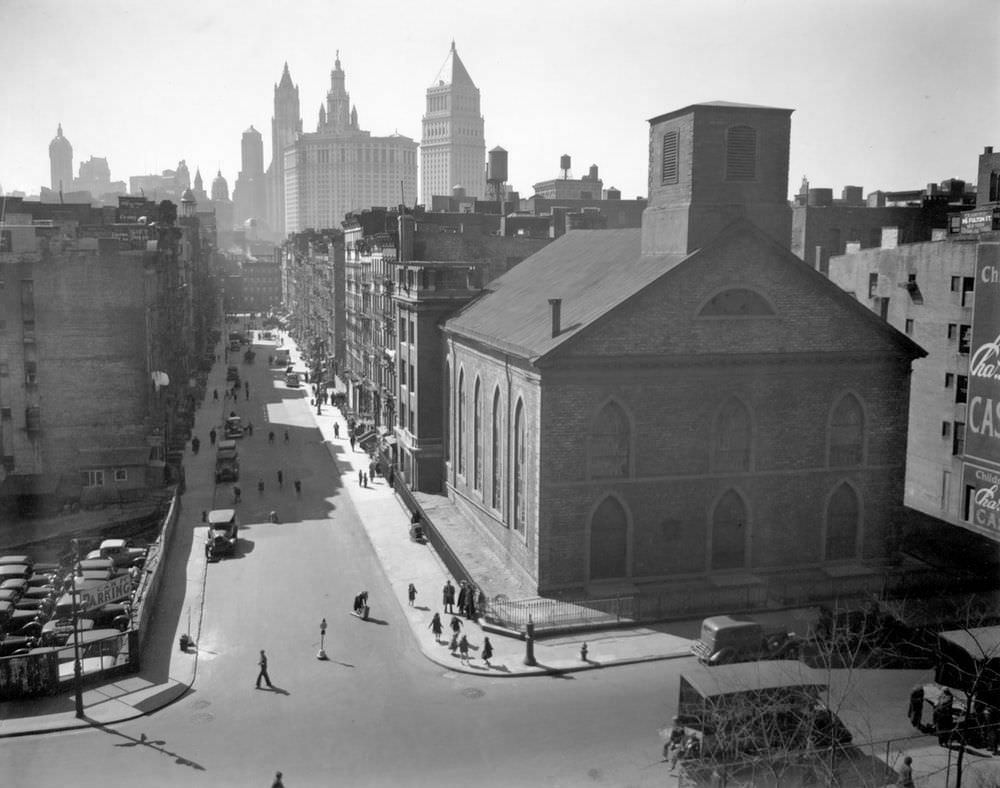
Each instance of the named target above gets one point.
<point>390,706</point>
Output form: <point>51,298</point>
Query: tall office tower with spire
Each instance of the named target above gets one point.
<point>61,162</point>
<point>340,168</point>
<point>249,193</point>
<point>453,147</point>
<point>285,124</point>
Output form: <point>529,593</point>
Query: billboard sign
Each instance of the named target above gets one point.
<point>982,432</point>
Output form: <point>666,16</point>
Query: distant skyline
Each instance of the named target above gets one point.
<point>887,94</point>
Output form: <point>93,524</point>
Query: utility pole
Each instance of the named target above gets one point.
<point>77,667</point>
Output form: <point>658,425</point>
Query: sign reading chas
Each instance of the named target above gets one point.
<point>982,436</point>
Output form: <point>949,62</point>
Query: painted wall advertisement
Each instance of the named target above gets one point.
<point>981,478</point>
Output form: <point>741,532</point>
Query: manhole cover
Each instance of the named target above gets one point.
<point>203,716</point>
<point>200,704</point>
<point>472,692</point>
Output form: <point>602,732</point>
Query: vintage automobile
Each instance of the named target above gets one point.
<point>223,529</point>
<point>292,380</point>
<point>18,584</point>
<point>233,428</point>
<point>58,631</point>
<point>227,462</point>
<point>120,552</point>
<point>233,373</point>
<point>726,639</point>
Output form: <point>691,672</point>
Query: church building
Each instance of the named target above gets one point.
<point>685,408</point>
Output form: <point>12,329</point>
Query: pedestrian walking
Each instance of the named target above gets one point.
<point>286,436</point>
<point>281,479</point>
<point>298,487</point>
<point>260,486</point>
<point>250,428</point>
<point>456,625</point>
<point>195,444</point>
<point>904,773</point>
<point>453,646</point>
<point>246,386</point>
<point>270,437</point>
<point>215,394</point>
<point>411,593</point>
<point>262,662</point>
<point>435,627</point>
<point>366,480</point>
<point>236,493</point>
<point>336,430</point>
<point>361,478</point>
<point>487,651</point>
<point>371,469</point>
<point>211,435</point>
<point>463,592</point>
<point>247,392</point>
<point>352,443</point>
<point>448,597</point>
<point>470,604</point>
<point>916,709</point>
<point>277,781</point>
<point>463,649</point>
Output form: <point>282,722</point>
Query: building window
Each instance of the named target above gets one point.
<point>733,438</point>
<point>952,330</point>
<point>670,155</point>
<point>964,338</point>
<point>968,286</point>
<point>872,285</point>
<point>945,429</point>
<point>609,541</point>
<point>956,283</point>
<point>402,372</point>
<point>729,532</point>
<point>741,153</point>
<point>842,524</point>
<point>958,439</point>
<point>949,380</point>
<point>909,326</point>
<point>497,445</point>
<point>402,328</point>
<point>847,426</point>
<point>402,418</point>
<point>461,422</point>
<point>121,474</point>
<point>609,443</point>
<point>92,478</point>
<point>962,389</point>
<point>477,428</point>
<point>6,241</point>
<point>413,379</point>
<point>520,469</point>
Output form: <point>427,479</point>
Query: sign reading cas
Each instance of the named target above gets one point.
<point>114,590</point>
<point>982,434</point>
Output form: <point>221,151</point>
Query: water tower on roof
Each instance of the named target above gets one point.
<point>496,174</point>
<point>564,165</point>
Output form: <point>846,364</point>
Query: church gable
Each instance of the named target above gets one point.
<point>742,294</point>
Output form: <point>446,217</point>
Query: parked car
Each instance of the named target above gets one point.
<point>114,615</point>
<point>223,526</point>
<point>16,645</point>
<point>7,560</point>
<point>58,631</point>
<point>227,462</point>
<point>726,639</point>
<point>18,584</point>
<point>8,571</point>
<point>120,552</point>
<point>9,595</point>
<point>292,380</point>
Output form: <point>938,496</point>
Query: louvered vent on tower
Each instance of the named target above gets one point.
<point>670,146</point>
<point>741,153</point>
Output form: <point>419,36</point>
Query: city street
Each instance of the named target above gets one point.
<point>378,712</point>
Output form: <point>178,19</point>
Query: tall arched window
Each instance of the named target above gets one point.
<point>446,422</point>
<point>847,431</point>
<point>519,467</point>
<point>729,530</point>
<point>732,437</point>
<point>609,541</point>
<point>477,441</point>
<point>608,445</point>
<point>461,422</point>
<point>497,445</point>
<point>843,513</point>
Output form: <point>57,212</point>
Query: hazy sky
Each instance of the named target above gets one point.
<point>887,94</point>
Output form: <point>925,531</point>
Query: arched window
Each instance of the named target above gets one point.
<point>446,423</point>
<point>608,445</point>
<point>608,541</point>
<point>477,442</point>
<point>729,529</point>
<point>732,438</point>
<point>843,512</point>
<point>461,422</point>
<point>519,467</point>
<point>847,430</point>
<point>497,445</point>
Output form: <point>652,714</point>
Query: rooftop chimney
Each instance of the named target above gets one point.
<point>556,304</point>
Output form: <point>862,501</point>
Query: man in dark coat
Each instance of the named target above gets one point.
<point>263,670</point>
<point>448,597</point>
<point>463,592</point>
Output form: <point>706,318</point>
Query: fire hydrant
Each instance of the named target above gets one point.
<point>583,652</point>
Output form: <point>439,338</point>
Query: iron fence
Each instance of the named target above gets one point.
<point>561,614</point>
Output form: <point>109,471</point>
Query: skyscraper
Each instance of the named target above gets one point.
<point>249,196</point>
<point>453,147</point>
<point>340,168</point>
<point>285,124</point>
<point>61,162</point>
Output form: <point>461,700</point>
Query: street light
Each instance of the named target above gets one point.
<point>77,667</point>
<point>322,638</point>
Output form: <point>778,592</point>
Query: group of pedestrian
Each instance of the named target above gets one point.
<point>459,641</point>
<point>362,479</point>
<point>470,599</point>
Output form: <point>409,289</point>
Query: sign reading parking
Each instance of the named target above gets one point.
<point>113,591</point>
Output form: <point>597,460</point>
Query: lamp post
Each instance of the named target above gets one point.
<point>322,640</point>
<point>529,643</point>
<point>77,667</point>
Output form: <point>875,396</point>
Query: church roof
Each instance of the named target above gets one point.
<point>286,78</point>
<point>453,71</point>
